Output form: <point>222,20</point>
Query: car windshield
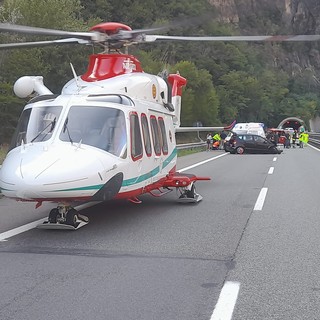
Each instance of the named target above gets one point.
<point>36,124</point>
<point>100,127</point>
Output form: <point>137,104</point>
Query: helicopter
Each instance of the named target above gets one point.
<point>109,134</point>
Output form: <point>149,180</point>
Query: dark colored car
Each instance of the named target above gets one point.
<point>249,143</point>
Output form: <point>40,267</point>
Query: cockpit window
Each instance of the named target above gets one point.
<point>36,124</point>
<point>100,127</point>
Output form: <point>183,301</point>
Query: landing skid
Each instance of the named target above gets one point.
<point>60,226</point>
<point>196,199</point>
<point>64,217</point>
<point>189,194</point>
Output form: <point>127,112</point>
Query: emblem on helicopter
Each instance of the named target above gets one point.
<point>154,91</point>
<point>129,66</point>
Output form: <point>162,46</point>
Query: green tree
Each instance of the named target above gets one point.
<point>233,89</point>
<point>199,101</point>
<point>10,108</point>
<point>51,63</point>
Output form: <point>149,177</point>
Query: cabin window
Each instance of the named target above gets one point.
<point>163,136</point>
<point>36,124</point>
<point>155,135</point>
<point>99,127</point>
<point>135,133</point>
<point>146,135</point>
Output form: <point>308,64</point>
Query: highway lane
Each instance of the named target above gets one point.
<point>14,214</point>
<point>163,260</point>
<point>277,262</point>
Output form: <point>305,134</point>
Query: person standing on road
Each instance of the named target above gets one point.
<point>287,142</point>
<point>303,138</point>
<point>209,140</point>
<point>294,138</point>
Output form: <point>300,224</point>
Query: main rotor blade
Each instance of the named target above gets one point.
<point>42,31</point>
<point>152,38</point>
<point>42,43</point>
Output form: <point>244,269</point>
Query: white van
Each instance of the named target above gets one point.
<point>250,127</point>
<point>247,127</point>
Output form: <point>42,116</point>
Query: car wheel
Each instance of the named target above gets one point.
<point>240,150</point>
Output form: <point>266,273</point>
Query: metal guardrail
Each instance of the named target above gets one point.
<point>314,139</point>
<point>191,145</point>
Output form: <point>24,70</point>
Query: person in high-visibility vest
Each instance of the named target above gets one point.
<point>216,141</point>
<point>303,138</point>
<point>217,137</point>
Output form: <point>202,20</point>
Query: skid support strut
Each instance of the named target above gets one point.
<point>188,194</point>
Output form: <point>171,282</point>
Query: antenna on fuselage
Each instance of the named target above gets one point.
<point>74,74</point>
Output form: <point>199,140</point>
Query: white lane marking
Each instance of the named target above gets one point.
<point>315,148</point>
<point>203,162</point>
<point>226,302</point>
<point>271,170</point>
<point>26,227</point>
<point>260,200</point>
<point>32,225</point>
<point>274,159</point>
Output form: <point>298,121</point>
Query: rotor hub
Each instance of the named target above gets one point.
<point>110,28</point>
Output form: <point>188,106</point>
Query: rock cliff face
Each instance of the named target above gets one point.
<point>301,16</point>
<point>227,10</point>
<point>287,17</point>
<point>305,16</point>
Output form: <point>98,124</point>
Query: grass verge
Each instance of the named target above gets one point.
<point>3,153</point>
<point>185,152</point>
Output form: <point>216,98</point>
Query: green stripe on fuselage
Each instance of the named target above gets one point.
<point>131,181</point>
<point>152,173</point>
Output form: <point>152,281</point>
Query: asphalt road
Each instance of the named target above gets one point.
<point>164,260</point>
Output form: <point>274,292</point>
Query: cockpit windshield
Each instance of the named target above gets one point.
<point>36,124</point>
<point>100,127</point>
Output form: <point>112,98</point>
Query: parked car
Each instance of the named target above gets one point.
<point>250,143</point>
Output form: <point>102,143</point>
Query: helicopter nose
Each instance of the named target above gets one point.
<point>53,174</point>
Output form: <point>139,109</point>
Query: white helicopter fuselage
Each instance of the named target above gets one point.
<point>78,154</point>
<point>110,134</point>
